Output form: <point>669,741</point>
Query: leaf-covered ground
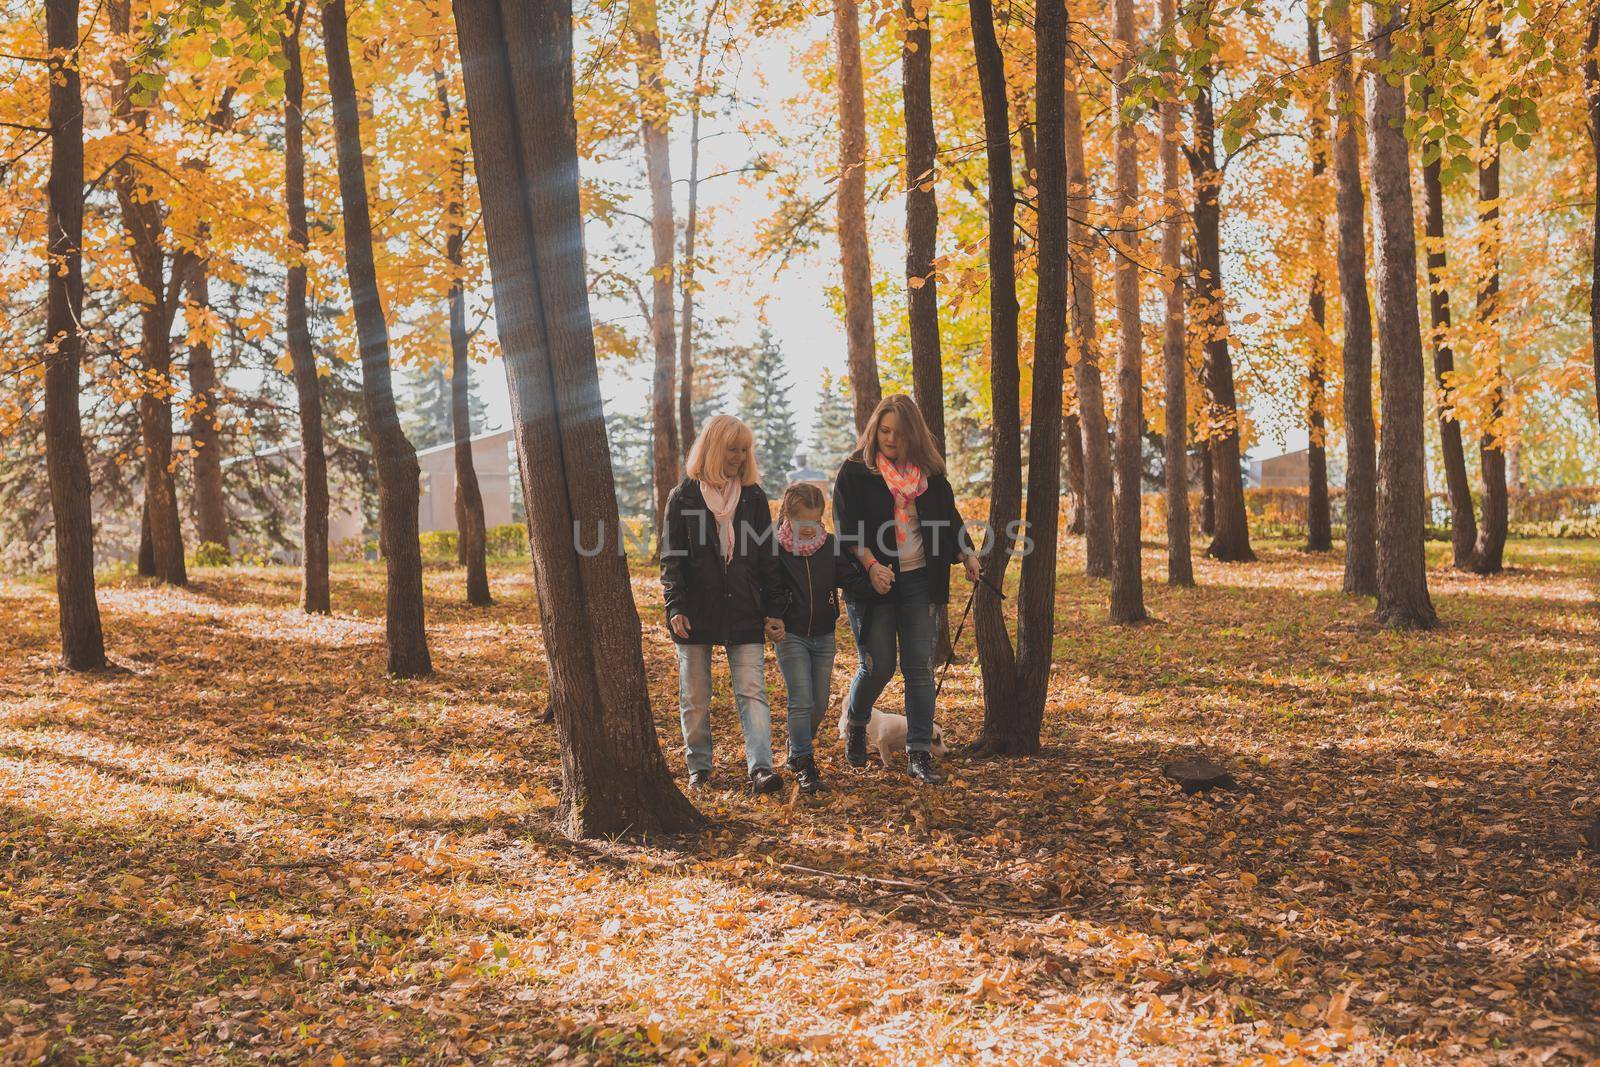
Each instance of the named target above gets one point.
<point>248,845</point>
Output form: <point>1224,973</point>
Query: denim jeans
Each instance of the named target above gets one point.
<point>906,619</point>
<point>745,663</point>
<point>807,665</point>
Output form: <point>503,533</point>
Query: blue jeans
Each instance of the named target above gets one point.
<point>807,665</point>
<point>745,663</point>
<point>908,619</point>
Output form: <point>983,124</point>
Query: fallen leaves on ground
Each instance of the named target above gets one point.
<point>248,845</point>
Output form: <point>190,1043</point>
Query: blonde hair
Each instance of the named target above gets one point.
<point>718,432</point>
<point>801,495</point>
<point>919,444</point>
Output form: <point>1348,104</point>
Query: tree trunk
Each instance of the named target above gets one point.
<point>1231,541</point>
<point>471,533</point>
<point>996,659</point>
<point>1403,601</point>
<point>1097,489</point>
<point>855,256</point>
<point>653,128</point>
<point>1319,523</point>
<point>1072,445</point>
<point>686,431</point>
<point>1488,555</point>
<point>1127,565</point>
<point>1591,86</point>
<point>1463,525</point>
<point>922,231</point>
<point>395,459</point>
<point>314,593</point>
<point>1174,356</point>
<point>1208,496</point>
<point>210,506</point>
<point>146,564</point>
<point>143,220</point>
<point>1037,594</point>
<point>1361,450</point>
<point>518,62</point>
<point>82,642</point>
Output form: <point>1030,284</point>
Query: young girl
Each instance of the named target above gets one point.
<point>720,576</point>
<point>814,566</point>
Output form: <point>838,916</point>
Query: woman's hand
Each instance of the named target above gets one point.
<point>969,563</point>
<point>775,630</point>
<point>882,577</point>
<point>680,626</point>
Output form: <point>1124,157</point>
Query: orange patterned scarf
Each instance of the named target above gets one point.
<point>906,482</point>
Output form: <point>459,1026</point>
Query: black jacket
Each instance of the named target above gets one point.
<point>725,603</point>
<point>863,514</point>
<point>812,583</point>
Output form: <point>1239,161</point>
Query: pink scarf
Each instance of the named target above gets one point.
<point>906,482</point>
<point>723,500</point>
<point>800,547</point>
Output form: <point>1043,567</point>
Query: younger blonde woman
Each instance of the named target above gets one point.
<point>722,585</point>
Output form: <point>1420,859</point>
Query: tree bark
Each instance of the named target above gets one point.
<point>210,503</point>
<point>1072,445</point>
<point>1098,531</point>
<point>1463,524</point>
<point>1319,523</point>
<point>1208,496</point>
<point>1361,450</point>
<point>314,592</point>
<point>653,129</point>
<point>1174,354</point>
<point>996,659</point>
<point>396,461</point>
<point>518,62</point>
<point>1591,87</point>
<point>82,641</point>
<point>471,531</point>
<point>1127,564</point>
<point>143,218</point>
<point>691,226</point>
<point>1488,555</point>
<point>1403,601</point>
<point>855,256</point>
<point>1231,540</point>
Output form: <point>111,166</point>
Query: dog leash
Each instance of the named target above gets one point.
<point>944,671</point>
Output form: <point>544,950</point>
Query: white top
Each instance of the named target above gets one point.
<point>912,555</point>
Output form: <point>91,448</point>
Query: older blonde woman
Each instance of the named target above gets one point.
<point>723,587</point>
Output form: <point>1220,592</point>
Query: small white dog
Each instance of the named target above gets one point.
<point>886,735</point>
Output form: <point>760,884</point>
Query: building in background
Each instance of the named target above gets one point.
<point>492,458</point>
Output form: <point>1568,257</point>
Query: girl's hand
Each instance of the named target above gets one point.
<point>680,626</point>
<point>969,563</point>
<point>882,577</point>
<point>775,630</point>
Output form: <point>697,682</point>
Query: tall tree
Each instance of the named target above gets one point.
<point>314,591</point>
<point>517,55</point>
<point>922,218</point>
<point>161,279</point>
<point>1403,601</point>
<point>833,434</point>
<point>996,660</point>
<point>1319,523</point>
<point>691,226</point>
<point>1174,354</point>
<point>764,404</point>
<point>471,528</point>
<point>399,477</point>
<point>855,256</point>
<point>1231,541</point>
<point>1361,448</point>
<point>1127,570</point>
<point>1488,555</point>
<point>1013,728</point>
<point>82,642</point>
<point>1591,88</point>
<point>653,126</point>
<point>205,437</point>
<point>1463,524</point>
<point>1097,489</point>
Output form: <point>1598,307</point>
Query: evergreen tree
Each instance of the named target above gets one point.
<point>833,435</point>
<point>631,454</point>
<point>764,404</point>
<point>425,408</point>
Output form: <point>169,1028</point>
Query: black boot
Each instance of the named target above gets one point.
<point>855,744</point>
<point>922,768</point>
<point>806,773</point>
